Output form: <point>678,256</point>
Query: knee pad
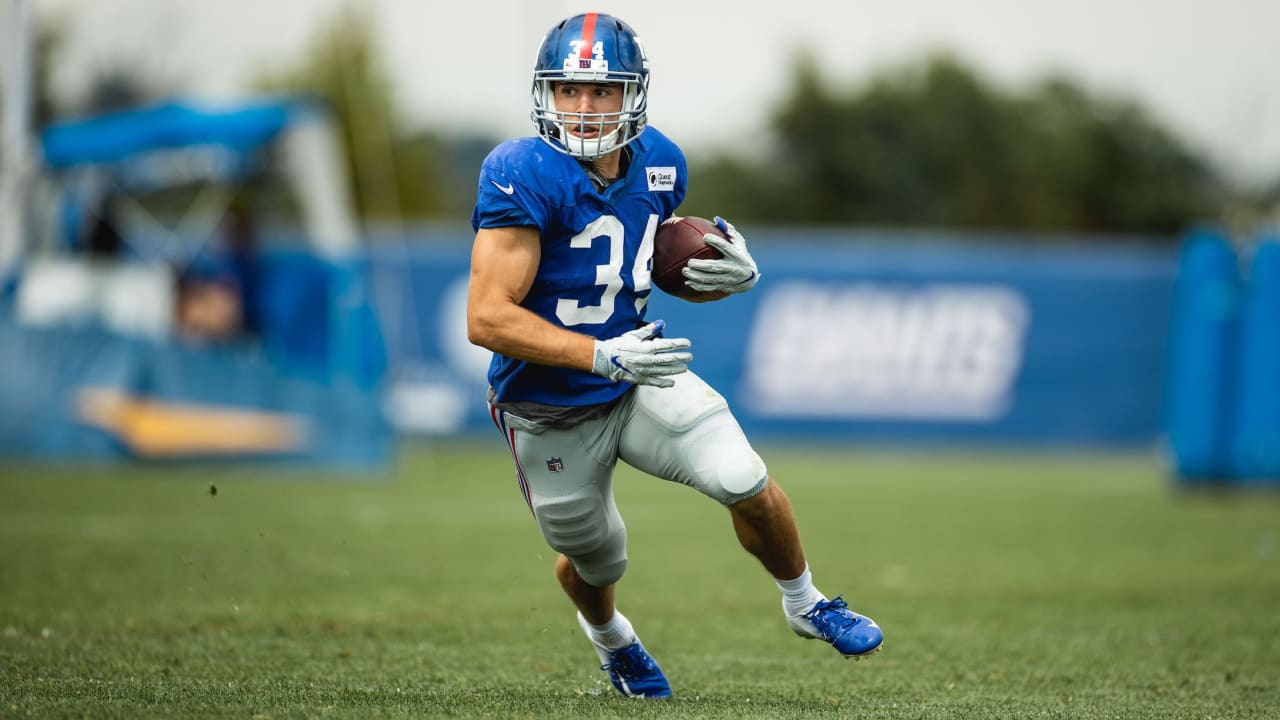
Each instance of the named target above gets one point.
<point>574,524</point>
<point>590,535</point>
<point>602,573</point>
<point>742,475</point>
<point>735,470</point>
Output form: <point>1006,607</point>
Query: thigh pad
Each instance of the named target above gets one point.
<point>681,406</point>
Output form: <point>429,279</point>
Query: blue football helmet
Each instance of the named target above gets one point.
<point>594,48</point>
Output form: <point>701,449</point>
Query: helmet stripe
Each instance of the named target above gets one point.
<point>588,36</point>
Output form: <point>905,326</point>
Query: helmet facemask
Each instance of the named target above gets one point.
<point>612,130</point>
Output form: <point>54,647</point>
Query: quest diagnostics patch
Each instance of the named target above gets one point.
<point>661,179</point>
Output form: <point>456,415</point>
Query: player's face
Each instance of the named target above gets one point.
<point>588,99</point>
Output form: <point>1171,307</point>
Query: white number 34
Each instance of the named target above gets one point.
<point>571,312</point>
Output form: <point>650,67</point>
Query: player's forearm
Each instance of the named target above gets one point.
<point>511,330</point>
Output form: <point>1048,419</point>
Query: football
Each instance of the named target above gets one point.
<point>678,241</point>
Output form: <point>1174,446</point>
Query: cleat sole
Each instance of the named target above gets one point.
<point>869,653</point>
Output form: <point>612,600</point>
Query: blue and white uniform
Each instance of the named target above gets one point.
<point>597,250</point>
<point>567,427</point>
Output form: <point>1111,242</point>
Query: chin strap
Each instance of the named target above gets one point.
<point>602,182</point>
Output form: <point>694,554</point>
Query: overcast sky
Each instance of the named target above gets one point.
<point>1209,68</point>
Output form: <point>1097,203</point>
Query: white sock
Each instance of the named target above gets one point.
<point>614,634</point>
<point>799,595</point>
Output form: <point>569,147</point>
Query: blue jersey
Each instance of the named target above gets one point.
<point>597,250</point>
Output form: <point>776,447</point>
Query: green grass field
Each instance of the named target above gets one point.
<point>1008,586</point>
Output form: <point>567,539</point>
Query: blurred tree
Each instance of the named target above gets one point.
<point>50,36</point>
<point>119,87</point>
<point>933,144</point>
<point>1253,208</point>
<point>395,174</point>
<point>1270,202</point>
<point>118,83</point>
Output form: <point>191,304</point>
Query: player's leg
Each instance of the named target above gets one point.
<point>566,477</point>
<point>630,667</point>
<point>766,527</point>
<point>687,434</point>
<point>595,604</point>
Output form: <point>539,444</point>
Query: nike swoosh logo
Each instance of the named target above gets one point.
<point>625,369</point>
<point>509,189</point>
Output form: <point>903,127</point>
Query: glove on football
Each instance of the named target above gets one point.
<point>642,357</point>
<point>734,273</point>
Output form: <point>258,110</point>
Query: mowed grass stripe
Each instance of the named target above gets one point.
<point>1009,585</point>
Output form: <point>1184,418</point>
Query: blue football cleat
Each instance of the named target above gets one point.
<point>851,634</point>
<point>635,673</point>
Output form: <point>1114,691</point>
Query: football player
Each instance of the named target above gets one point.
<point>560,276</point>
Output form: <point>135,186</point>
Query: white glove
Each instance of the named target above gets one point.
<point>641,357</point>
<point>734,273</point>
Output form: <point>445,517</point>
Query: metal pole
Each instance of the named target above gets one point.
<point>15,140</point>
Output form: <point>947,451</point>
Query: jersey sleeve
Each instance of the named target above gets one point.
<point>660,153</point>
<point>682,182</point>
<point>506,196</point>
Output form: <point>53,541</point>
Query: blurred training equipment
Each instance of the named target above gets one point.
<point>1223,409</point>
<point>159,310</point>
